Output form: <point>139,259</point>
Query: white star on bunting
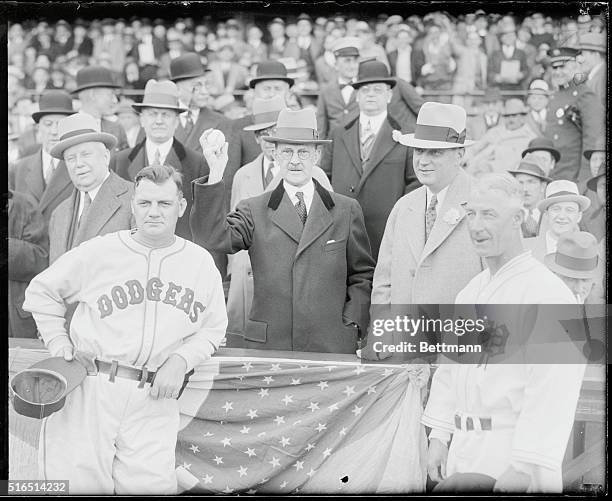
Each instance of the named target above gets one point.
<point>327,452</point>
<point>311,473</point>
<point>371,389</point>
<point>247,366</point>
<point>321,427</point>
<point>229,406</point>
<point>208,434</point>
<point>314,406</point>
<point>275,368</point>
<point>226,441</point>
<point>245,429</point>
<point>333,407</point>
<point>295,381</point>
<point>227,490</point>
<point>323,385</point>
<point>194,448</point>
<point>250,452</point>
<point>342,431</point>
<point>275,462</point>
<point>284,441</point>
<point>208,479</point>
<point>349,390</point>
<point>264,392</point>
<point>187,466</point>
<point>280,420</point>
<point>252,413</point>
<point>309,447</point>
<point>218,460</point>
<point>299,465</point>
<point>242,471</point>
<point>357,410</point>
<point>287,400</point>
<point>283,485</point>
<point>359,369</point>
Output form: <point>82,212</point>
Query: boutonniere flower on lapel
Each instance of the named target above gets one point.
<point>451,216</point>
<point>396,134</point>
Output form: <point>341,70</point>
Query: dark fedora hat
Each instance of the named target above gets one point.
<point>542,144</point>
<point>53,102</point>
<point>530,165</point>
<point>188,65</point>
<point>92,77</point>
<point>577,255</point>
<point>592,183</point>
<point>270,70</point>
<point>373,71</point>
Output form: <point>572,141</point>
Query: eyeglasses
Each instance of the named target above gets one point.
<point>377,89</point>
<point>287,154</point>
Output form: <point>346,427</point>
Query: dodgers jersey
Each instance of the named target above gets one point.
<point>136,305</point>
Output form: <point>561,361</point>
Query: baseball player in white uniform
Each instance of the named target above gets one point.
<point>520,414</point>
<point>148,301</point>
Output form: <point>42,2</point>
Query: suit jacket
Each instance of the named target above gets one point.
<point>242,150</point>
<point>332,110</point>
<point>393,64</point>
<point>28,255</point>
<point>28,142</point>
<point>411,270</point>
<point>379,181</point>
<point>311,282</point>
<point>324,73</point>
<point>190,164</point>
<point>30,181</point>
<point>537,127</point>
<point>249,182</point>
<point>116,130</point>
<point>207,119</point>
<point>110,211</point>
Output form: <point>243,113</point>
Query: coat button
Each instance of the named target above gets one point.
<point>556,136</point>
<point>345,111</point>
<point>352,189</point>
<point>560,122</point>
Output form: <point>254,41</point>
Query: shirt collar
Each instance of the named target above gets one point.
<point>164,149</point>
<point>46,159</point>
<point>307,190</point>
<point>441,195</point>
<point>376,121</point>
<point>551,243</point>
<point>94,191</point>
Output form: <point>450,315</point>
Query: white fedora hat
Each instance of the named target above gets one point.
<point>439,126</point>
<point>563,190</point>
<point>79,128</point>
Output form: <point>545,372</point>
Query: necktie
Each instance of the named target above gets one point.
<point>86,205</point>
<point>430,216</point>
<point>367,139</point>
<point>50,171</point>
<point>188,123</point>
<point>157,159</point>
<point>269,175</point>
<point>300,207</point>
<point>530,226</point>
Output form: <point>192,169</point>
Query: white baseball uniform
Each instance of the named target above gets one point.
<point>136,305</point>
<point>532,406</point>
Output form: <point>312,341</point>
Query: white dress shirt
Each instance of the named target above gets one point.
<point>551,243</point>
<point>440,196</point>
<point>92,194</point>
<point>164,149</point>
<point>346,91</point>
<point>46,165</point>
<point>508,50</point>
<point>195,113</point>
<point>376,121</point>
<point>266,163</point>
<point>307,190</point>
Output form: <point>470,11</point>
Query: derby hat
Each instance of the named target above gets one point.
<point>542,144</point>
<point>514,106</point>
<point>373,71</point>
<point>270,70</point>
<point>600,145</point>
<point>346,47</point>
<point>531,165</point>
<point>162,94</point>
<point>41,390</point>
<point>53,102</point>
<point>79,128</point>
<point>297,127</point>
<point>592,41</point>
<point>188,65</point>
<point>562,190</point>
<point>92,77</point>
<point>538,87</point>
<point>592,183</point>
<point>577,255</point>
<point>265,112</point>
<point>438,126</point>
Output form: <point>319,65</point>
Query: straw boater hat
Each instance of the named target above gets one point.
<point>373,71</point>
<point>188,65</point>
<point>53,102</point>
<point>542,144</point>
<point>79,128</point>
<point>265,112</point>
<point>592,183</point>
<point>577,255</point>
<point>562,190</point>
<point>297,127</point>
<point>92,77</point>
<point>438,126</point>
<point>163,94</point>
<point>270,70</point>
<point>530,165</point>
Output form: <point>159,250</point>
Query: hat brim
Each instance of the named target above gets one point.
<point>272,139</point>
<point>555,153</point>
<point>261,78</point>
<point>140,106</point>
<point>390,81</point>
<point>109,141</point>
<point>583,202</point>
<point>409,140</point>
<point>549,261</point>
<point>37,115</point>
<point>96,85</point>
<point>592,183</point>
<point>587,153</point>
<point>261,126</point>
<point>529,173</point>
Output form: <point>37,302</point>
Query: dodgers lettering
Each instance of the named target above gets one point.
<point>134,293</point>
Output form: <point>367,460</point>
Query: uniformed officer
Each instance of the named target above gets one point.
<point>574,118</point>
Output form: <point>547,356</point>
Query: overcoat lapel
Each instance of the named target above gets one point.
<point>58,183</point>
<point>317,222</point>
<point>350,136</point>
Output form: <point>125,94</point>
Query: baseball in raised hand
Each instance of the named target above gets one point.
<point>214,148</point>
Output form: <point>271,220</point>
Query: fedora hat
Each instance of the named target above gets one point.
<point>53,102</point>
<point>92,77</point>
<point>270,70</point>
<point>542,144</point>
<point>531,165</point>
<point>163,94</point>
<point>514,106</point>
<point>79,128</point>
<point>592,183</point>
<point>265,112</point>
<point>188,65</point>
<point>297,127</point>
<point>592,41</point>
<point>373,71</point>
<point>577,255</point>
<point>438,126</point>
<point>562,190</point>
<point>41,390</point>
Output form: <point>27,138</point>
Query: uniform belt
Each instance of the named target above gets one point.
<point>473,423</point>
<point>113,369</point>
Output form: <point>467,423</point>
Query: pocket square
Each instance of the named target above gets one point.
<point>330,241</point>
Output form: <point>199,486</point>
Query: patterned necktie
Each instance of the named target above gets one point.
<point>86,206</point>
<point>300,207</point>
<point>157,159</point>
<point>269,175</point>
<point>367,139</point>
<point>530,226</point>
<point>188,123</point>
<point>430,216</point>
